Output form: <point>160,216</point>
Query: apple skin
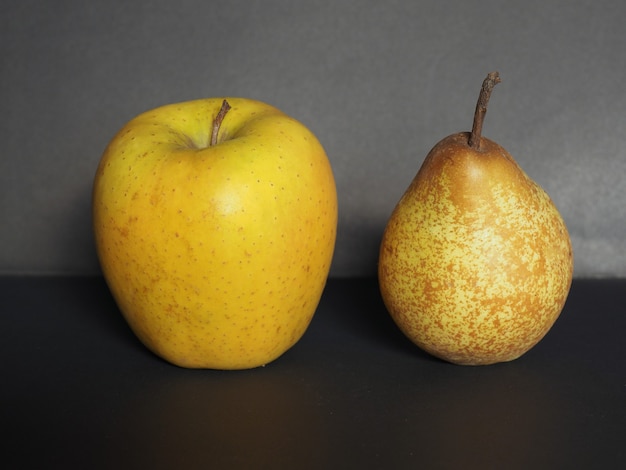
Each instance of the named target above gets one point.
<point>216,256</point>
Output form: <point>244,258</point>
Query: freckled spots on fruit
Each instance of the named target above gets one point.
<point>504,260</point>
<point>123,231</point>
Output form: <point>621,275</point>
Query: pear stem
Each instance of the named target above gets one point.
<point>491,81</point>
<point>217,122</point>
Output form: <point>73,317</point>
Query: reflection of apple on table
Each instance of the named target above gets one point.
<point>476,262</point>
<point>215,224</point>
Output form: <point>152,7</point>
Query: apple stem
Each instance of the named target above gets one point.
<point>217,122</point>
<point>491,81</point>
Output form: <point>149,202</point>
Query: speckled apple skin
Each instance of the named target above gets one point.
<point>476,262</point>
<point>216,256</point>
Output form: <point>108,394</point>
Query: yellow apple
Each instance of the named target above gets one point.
<point>215,224</point>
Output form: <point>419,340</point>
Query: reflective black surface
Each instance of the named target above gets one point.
<point>79,391</point>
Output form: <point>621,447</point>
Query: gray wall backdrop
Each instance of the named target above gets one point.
<point>379,83</point>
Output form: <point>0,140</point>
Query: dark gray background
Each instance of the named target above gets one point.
<point>379,83</point>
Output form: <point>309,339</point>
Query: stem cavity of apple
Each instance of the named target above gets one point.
<point>217,122</point>
<point>493,78</point>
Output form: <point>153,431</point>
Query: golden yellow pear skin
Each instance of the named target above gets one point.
<point>476,262</point>
<point>217,255</point>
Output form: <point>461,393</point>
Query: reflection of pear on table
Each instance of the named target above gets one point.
<point>476,262</point>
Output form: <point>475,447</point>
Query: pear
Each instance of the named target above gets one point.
<point>475,262</point>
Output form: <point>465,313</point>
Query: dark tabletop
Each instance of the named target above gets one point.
<point>79,391</point>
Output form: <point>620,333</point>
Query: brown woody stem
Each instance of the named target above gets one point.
<point>491,81</point>
<point>217,122</point>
